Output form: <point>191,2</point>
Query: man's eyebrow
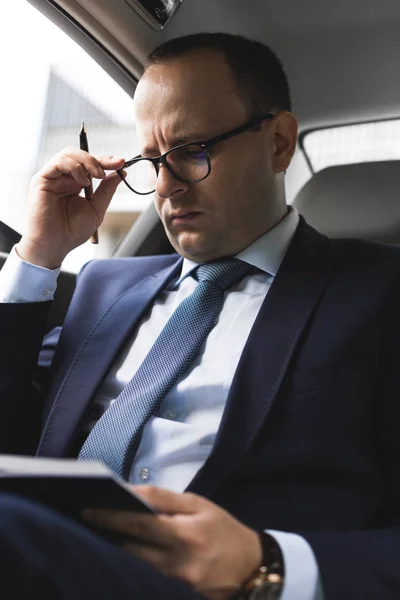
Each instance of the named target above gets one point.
<point>192,137</point>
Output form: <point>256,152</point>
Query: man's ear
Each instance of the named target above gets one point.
<point>285,139</point>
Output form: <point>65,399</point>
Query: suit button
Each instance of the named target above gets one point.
<point>144,474</point>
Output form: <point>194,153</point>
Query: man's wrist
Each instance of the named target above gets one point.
<point>23,282</point>
<point>38,255</point>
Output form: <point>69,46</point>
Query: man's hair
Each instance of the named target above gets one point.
<point>257,71</point>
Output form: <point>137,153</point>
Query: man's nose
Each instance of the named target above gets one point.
<point>167,185</point>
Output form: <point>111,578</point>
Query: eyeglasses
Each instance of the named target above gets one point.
<point>188,162</point>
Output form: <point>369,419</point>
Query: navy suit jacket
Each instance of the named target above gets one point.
<point>310,437</point>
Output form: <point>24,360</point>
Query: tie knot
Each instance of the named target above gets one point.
<point>224,273</point>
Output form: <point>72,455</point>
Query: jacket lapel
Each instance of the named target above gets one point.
<point>72,390</point>
<point>289,304</point>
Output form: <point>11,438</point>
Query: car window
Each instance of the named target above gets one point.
<point>364,142</point>
<point>49,85</point>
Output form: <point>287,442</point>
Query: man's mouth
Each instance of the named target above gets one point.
<point>184,217</point>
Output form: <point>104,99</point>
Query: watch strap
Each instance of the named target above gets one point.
<point>272,554</point>
<point>270,575</point>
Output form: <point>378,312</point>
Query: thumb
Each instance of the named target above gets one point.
<point>104,193</point>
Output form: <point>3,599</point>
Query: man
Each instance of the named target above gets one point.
<point>285,417</point>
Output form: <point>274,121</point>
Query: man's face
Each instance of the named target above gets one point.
<point>193,98</point>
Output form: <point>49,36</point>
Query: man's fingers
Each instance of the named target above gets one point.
<point>80,165</point>
<point>65,166</point>
<point>110,163</point>
<point>72,160</point>
<point>63,185</point>
<point>104,193</point>
<point>159,529</point>
<point>168,502</point>
<point>145,528</point>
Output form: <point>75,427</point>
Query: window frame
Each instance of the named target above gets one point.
<point>71,27</point>
<point>306,132</point>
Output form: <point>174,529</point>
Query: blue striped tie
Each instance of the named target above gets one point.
<point>116,436</point>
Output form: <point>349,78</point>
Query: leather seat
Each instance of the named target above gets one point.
<point>357,201</point>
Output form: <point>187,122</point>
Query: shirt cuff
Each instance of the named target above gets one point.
<point>302,578</point>
<point>21,281</point>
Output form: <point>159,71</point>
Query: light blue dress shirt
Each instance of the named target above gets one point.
<point>178,439</point>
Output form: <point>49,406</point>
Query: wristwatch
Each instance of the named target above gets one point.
<point>267,582</point>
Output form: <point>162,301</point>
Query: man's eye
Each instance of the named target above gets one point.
<point>194,153</point>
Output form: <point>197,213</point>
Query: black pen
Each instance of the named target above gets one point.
<point>83,144</point>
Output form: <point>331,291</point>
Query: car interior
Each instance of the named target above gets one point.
<point>342,64</point>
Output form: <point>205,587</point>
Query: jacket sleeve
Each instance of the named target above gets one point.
<point>365,564</point>
<point>22,385</point>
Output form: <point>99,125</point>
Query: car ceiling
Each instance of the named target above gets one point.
<point>341,57</point>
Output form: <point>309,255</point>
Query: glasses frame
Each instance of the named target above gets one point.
<point>205,145</point>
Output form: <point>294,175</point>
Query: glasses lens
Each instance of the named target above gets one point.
<point>189,163</point>
<point>142,176</point>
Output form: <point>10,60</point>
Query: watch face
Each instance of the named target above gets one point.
<point>268,591</point>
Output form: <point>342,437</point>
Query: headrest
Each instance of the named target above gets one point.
<point>361,201</point>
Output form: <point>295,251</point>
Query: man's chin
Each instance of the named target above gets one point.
<point>193,247</point>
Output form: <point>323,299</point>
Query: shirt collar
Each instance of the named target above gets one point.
<point>266,252</point>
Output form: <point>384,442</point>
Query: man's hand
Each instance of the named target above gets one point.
<point>59,218</point>
<point>193,540</point>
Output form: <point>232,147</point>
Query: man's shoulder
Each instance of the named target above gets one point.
<point>376,254</point>
<point>353,251</point>
<point>102,282</point>
<point>138,266</point>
